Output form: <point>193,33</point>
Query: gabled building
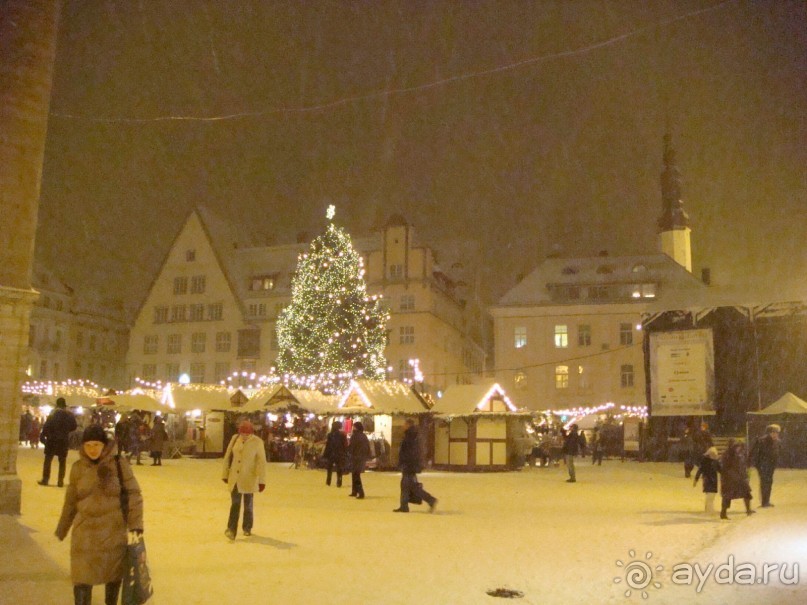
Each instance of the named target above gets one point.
<point>569,334</point>
<point>213,306</point>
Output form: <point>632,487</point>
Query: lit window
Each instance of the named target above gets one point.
<point>561,336</point>
<point>149,371</point>
<point>584,335</point>
<point>407,335</point>
<point>520,337</point>
<point>561,377</point>
<point>625,334</point>
<point>262,282</point>
<point>626,376</point>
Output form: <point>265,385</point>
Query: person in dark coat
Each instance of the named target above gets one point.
<point>734,478</point>
<point>55,434</point>
<point>688,450</point>
<point>708,468</point>
<point>572,443</point>
<point>597,447</point>
<point>94,510</point>
<point>765,457</point>
<point>122,435</point>
<point>335,453</point>
<point>410,465</point>
<point>25,426</point>
<point>359,451</point>
<point>158,438</point>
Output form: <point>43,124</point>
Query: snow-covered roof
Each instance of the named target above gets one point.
<point>467,399</point>
<point>382,397</point>
<point>535,289</point>
<point>184,397</point>
<point>316,402</point>
<point>786,404</point>
<point>275,396</point>
<point>138,401</point>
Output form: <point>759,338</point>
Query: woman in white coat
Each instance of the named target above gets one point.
<point>245,473</point>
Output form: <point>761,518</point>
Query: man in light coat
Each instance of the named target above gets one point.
<point>244,472</point>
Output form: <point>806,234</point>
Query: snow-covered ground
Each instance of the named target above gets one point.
<point>528,531</point>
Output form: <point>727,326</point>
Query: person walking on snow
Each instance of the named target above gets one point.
<point>157,442</point>
<point>335,453</point>
<point>93,508</point>
<point>244,472</point>
<point>359,453</point>
<point>765,457</point>
<point>734,478</point>
<point>55,435</point>
<point>708,468</point>
<point>409,462</point>
<point>572,445</point>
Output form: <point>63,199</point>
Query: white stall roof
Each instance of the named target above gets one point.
<point>381,397</point>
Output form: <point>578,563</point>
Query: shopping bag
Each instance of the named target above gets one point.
<point>415,496</point>
<point>136,580</point>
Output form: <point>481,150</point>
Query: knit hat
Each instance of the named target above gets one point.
<point>712,453</point>
<point>94,432</point>
<point>773,428</point>
<point>61,403</point>
<point>245,428</point>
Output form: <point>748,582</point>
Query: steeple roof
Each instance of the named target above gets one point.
<point>673,215</point>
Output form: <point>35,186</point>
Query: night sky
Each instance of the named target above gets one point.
<point>530,127</point>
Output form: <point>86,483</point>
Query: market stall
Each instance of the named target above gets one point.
<point>790,413</point>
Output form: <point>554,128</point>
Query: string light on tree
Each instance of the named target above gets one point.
<point>332,330</point>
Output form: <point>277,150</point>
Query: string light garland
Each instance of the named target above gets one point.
<point>332,331</point>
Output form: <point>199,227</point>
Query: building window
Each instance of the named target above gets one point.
<point>43,369</point>
<point>257,309</point>
<point>174,344</point>
<point>198,284</point>
<point>262,282</point>
<point>214,311</point>
<point>582,378</point>
<point>198,341</point>
<point>520,337</point>
<point>407,335</point>
<point>79,339</point>
<point>149,371</point>
<point>160,315</point>
<point>643,291</point>
<point>190,256</point>
<point>172,372</point>
<point>396,271</point>
<point>626,334</point>
<point>197,312</point>
<point>584,335</point>
<point>222,371</point>
<point>150,343</point>
<point>598,292</point>
<point>197,372</point>
<point>222,342</point>
<point>561,377</point>
<point>520,380</point>
<point>57,341</point>
<point>407,302</point>
<point>249,343</point>
<point>561,336</point>
<point>626,376</point>
<point>180,285</point>
<point>178,313</point>
<point>406,373</point>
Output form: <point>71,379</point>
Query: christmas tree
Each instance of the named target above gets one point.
<point>333,330</point>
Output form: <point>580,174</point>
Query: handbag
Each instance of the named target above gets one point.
<point>137,579</point>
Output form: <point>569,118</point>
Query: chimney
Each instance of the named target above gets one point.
<point>706,276</point>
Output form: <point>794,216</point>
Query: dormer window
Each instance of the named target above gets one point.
<point>263,282</point>
<point>569,270</point>
<point>190,256</point>
<point>639,268</point>
<point>605,269</point>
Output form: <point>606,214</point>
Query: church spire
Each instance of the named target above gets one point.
<point>673,224</point>
<point>673,215</point>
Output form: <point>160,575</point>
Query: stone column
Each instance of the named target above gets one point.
<point>27,50</point>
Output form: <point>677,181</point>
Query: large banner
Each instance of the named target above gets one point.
<point>682,373</point>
